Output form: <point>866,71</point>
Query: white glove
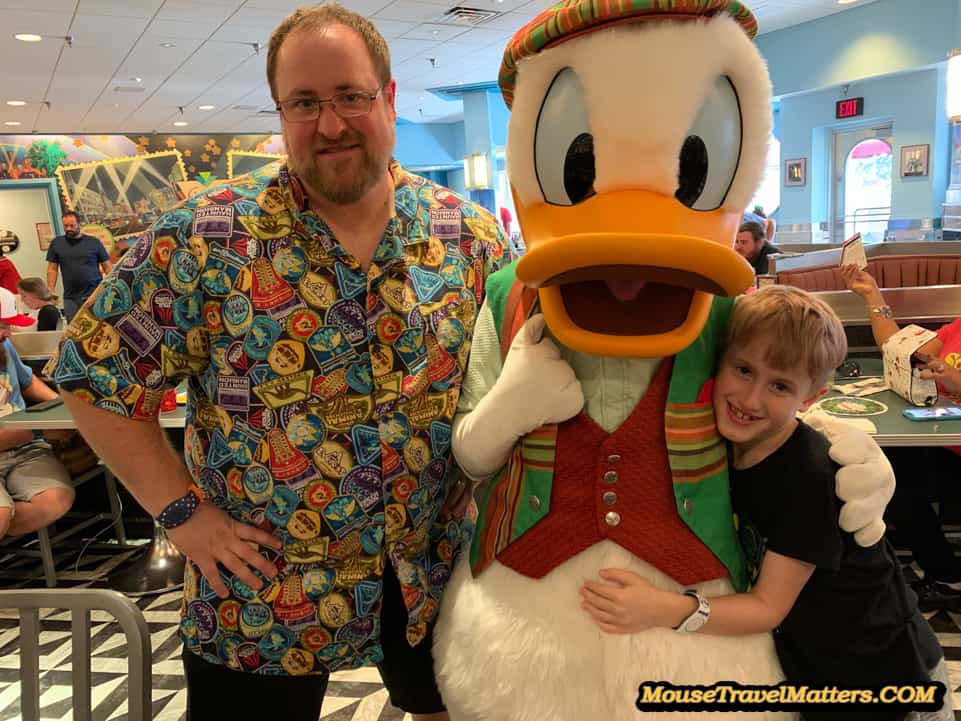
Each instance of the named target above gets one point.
<point>866,480</point>
<point>535,387</point>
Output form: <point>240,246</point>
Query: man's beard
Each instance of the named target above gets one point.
<point>324,180</point>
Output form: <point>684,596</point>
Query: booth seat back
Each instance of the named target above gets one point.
<point>892,271</point>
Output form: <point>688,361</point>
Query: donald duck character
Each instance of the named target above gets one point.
<point>638,134</point>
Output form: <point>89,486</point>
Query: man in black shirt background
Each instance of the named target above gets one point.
<point>752,243</point>
<point>83,261</point>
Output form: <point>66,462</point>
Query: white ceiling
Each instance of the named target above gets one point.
<point>213,58</point>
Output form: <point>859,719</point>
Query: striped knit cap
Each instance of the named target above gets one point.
<point>570,18</point>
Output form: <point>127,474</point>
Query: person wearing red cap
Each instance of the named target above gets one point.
<point>35,488</point>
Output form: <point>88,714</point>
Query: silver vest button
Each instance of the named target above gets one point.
<point>612,518</point>
<point>688,505</point>
<point>613,458</point>
<point>534,502</point>
<point>610,498</point>
<point>610,477</point>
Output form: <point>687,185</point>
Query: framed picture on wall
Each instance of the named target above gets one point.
<point>126,195</point>
<point>914,161</point>
<point>241,162</point>
<point>795,172</point>
<point>44,235</point>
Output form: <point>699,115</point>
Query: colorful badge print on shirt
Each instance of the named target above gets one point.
<point>261,337</point>
<point>184,271</point>
<point>287,357</point>
<point>114,298</point>
<point>297,662</point>
<point>317,291</point>
<point>343,515</point>
<point>267,227</point>
<point>290,263</point>
<point>349,316</point>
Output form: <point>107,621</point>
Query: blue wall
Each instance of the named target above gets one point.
<point>884,37</point>
<point>430,145</point>
<point>914,105</point>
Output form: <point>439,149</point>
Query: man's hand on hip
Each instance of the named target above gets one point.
<point>211,537</point>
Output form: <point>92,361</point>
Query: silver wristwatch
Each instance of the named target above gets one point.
<point>701,614</point>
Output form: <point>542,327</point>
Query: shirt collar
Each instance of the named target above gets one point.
<point>410,213</point>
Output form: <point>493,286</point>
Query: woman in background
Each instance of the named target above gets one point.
<point>37,296</point>
<point>924,474</point>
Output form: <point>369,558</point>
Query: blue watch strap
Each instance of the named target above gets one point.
<point>179,511</point>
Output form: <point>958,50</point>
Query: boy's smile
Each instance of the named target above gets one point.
<point>756,404</point>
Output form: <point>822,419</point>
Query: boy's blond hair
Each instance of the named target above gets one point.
<point>801,331</point>
<point>315,18</point>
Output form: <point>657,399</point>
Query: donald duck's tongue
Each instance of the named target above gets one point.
<point>625,290</point>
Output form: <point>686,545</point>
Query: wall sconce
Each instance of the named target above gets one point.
<point>954,86</point>
<point>477,171</point>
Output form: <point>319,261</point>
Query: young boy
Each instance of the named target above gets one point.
<point>842,613</point>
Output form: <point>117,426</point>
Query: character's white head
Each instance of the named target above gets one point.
<point>635,143</point>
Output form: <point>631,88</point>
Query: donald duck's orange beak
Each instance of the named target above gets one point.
<point>665,261</point>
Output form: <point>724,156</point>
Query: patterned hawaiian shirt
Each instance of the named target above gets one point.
<point>320,400</point>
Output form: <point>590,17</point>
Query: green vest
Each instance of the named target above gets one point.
<point>697,457</point>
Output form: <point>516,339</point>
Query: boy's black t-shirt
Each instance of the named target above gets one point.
<point>855,622</point>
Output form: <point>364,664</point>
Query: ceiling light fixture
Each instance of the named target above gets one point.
<point>137,79</point>
<point>842,2</point>
<point>11,122</point>
<point>206,107</point>
<point>181,123</point>
<point>167,45</point>
<point>16,103</point>
<point>28,37</point>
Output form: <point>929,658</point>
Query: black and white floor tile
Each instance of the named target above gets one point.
<point>352,696</point>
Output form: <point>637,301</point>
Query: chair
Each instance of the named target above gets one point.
<point>46,543</point>
<point>80,603</point>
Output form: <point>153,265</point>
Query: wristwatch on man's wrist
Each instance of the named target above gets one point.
<point>701,614</point>
<point>179,511</point>
<point>882,310</point>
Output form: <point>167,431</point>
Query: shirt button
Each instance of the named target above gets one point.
<point>535,503</point>
<point>688,506</point>
<point>610,477</point>
<point>612,518</point>
<point>613,458</point>
<point>610,498</point>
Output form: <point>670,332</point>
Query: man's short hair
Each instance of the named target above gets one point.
<point>314,18</point>
<point>70,213</point>
<point>755,229</point>
<point>801,331</point>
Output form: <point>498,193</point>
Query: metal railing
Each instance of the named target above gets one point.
<point>80,602</point>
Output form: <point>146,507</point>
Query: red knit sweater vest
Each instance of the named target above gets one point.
<point>616,486</point>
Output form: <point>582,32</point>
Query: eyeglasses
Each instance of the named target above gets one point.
<point>346,105</point>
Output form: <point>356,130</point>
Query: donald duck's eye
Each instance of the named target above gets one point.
<point>711,152</point>
<point>563,144</point>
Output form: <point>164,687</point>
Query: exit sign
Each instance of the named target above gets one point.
<point>850,108</point>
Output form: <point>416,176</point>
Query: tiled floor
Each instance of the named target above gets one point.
<point>352,695</point>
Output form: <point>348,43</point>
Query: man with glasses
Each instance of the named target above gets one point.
<point>322,312</point>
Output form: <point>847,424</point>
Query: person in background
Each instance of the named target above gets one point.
<point>37,296</point>
<point>35,488</point>
<point>9,277</point>
<point>506,220</point>
<point>83,261</point>
<point>753,245</point>
<point>924,474</point>
<point>762,218</point>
